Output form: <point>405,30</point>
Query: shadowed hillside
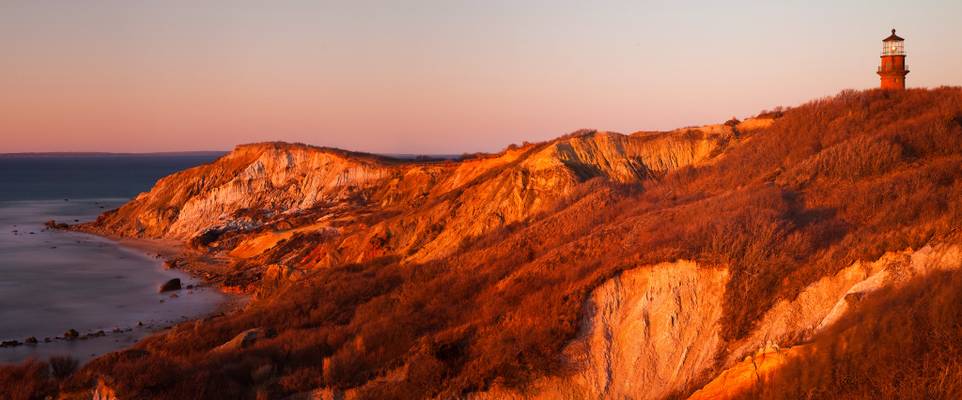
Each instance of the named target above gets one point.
<point>517,275</point>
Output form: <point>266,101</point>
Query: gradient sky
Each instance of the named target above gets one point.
<point>432,76</point>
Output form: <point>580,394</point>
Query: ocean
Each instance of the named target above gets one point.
<point>52,281</point>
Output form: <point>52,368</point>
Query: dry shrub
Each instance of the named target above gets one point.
<point>62,367</point>
<point>27,381</point>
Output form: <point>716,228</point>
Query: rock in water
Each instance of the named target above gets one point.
<point>55,225</point>
<point>173,284</point>
<point>71,334</point>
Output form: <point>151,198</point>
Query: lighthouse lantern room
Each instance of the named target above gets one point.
<point>893,69</point>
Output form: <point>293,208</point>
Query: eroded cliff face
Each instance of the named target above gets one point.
<point>354,207</point>
<point>825,301</point>
<point>789,325</point>
<point>245,188</point>
<point>647,332</point>
<point>654,330</point>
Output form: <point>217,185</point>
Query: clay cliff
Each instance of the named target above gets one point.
<point>720,261</point>
<point>367,206</point>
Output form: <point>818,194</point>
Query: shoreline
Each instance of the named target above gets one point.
<point>209,272</point>
<point>212,269</point>
<point>175,256</point>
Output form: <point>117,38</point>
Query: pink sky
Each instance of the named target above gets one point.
<point>430,76</point>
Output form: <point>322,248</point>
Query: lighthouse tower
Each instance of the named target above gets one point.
<point>893,69</point>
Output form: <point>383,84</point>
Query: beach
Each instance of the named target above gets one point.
<point>53,281</point>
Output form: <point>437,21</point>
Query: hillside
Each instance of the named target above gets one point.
<point>710,262</point>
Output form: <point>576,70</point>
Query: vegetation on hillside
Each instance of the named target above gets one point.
<point>833,181</point>
<point>900,344</point>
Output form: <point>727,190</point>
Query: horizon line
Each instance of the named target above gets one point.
<point>110,153</point>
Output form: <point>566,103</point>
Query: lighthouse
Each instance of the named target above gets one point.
<point>893,69</point>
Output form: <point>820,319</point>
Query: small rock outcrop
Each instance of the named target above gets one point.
<point>243,340</point>
<point>277,276</point>
<point>171,285</point>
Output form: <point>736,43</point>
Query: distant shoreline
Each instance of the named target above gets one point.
<point>55,154</point>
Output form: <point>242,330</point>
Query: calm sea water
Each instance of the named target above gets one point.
<point>56,177</point>
<point>52,281</point>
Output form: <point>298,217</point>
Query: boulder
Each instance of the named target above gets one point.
<point>71,334</point>
<point>31,340</point>
<point>173,284</point>
<point>277,276</point>
<point>243,340</point>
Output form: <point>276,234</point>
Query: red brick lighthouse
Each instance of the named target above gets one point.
<point>893,69</point>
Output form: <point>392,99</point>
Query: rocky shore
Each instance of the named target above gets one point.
<point>83,344</point>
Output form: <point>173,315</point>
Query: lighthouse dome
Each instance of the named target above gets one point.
<point>893,38</point>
